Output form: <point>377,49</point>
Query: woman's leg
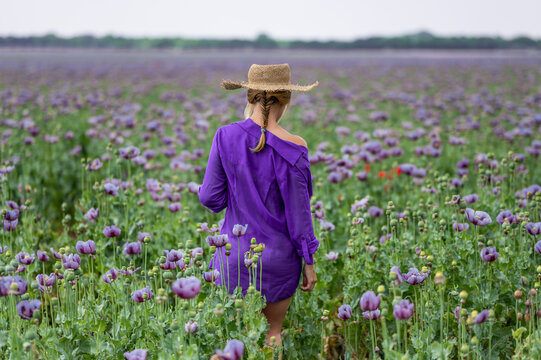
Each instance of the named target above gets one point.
<point>275,314</point>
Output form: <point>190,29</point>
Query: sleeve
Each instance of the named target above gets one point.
<point>296,189</point>
<point>213,192</point>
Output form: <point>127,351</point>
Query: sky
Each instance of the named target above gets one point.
<point>280,19</point>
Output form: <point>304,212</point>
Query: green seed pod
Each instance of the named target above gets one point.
<point>253,241</point>
<point>228,246</point>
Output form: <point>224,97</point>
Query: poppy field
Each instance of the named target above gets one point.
<point>427,203</point>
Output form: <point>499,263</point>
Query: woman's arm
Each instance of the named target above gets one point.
<point>295,187</point>
<point>213,192</point>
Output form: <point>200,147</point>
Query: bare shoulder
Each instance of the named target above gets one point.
<point>299,141</point>
<point>294,138</point>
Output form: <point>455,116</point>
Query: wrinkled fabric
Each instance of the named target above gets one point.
<point>269,191</point>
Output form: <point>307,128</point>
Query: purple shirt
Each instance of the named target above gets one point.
<point>270,192</point>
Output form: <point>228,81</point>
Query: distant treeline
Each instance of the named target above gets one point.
<point>421,40</point>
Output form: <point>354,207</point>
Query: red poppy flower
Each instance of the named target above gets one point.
<point>398,170</point>
<point>382,174</point>
<point>367,167</point>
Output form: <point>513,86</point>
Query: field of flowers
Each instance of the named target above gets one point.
<point>427,203</point>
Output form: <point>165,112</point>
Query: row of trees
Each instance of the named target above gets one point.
<point>421,40</point>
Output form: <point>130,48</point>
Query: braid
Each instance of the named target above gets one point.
<point>266,109</point>
<point>266,103</point>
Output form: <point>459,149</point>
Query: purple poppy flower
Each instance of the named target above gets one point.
<point>26,308</point>
<point>71,261</point>
<point>111,231</point>
<point>142,295</point>
<point>533,228</point>
<point>3,250</point>
<point>174,207</point>
<point>469,199</point>
<point>506,216</point>
<point>217,240</point>
<point>128,152</point>
<point>7,281</point>
<point>211,276</point>
<point>173,255</point>
<point>369,301</point>
<point>362,175</point>
<point>190,327</point>
<point>327,225</point>
<point>187,288</point>
<point>234,350</point>
<point>407,169</point>
<point>24,258</point>
<point>42,256</point>
<point>142,235</point>
<point>403,310</point>
<point>11,215</point>
<point>196,251</point>
<point>247,260</point>
<point>85,247</point>
<point>137,354</point>
<point>460,226</point>
<point>132,248</point>
<point>537,247</point>
<point>375,211</point>
<point>457,313</point>
<point>95,164</point>
<point>344,312</point>
<point>399,279</point>
<point>239,230</point>
<point>385,237</point>
<point>371,315</point>
<point>205,227</point>
<point>481,317</point>
<point>414,277</point>
<point>129,272</point>
<point>55,254</point>
<point>91,215</point>
<point>110,189</point>
<point>479,218</point>
<point>489,254</point>
<point>110,276</point>
<point>45,280</point>
<point>331,256</point>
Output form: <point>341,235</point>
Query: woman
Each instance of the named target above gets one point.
<point>261,173</point>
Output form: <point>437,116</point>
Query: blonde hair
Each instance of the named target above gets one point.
<point>266,99</point>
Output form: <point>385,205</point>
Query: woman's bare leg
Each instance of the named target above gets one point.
<point>275,314</point>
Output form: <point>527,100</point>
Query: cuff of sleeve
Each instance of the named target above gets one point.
<point>309,248</point>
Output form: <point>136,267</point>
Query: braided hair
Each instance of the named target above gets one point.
<point>266,99</point>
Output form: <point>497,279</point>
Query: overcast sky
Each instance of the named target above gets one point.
<point>280,19</point>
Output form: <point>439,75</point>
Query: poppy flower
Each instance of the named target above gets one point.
<point>26,308</point>
<point>187,288</point>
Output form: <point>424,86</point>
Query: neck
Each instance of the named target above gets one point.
<point>257,117</point>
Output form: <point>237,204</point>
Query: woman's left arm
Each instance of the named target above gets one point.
<point>213,192</point>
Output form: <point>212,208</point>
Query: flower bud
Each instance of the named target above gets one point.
<point>439,278</point>
<point>518,294</point>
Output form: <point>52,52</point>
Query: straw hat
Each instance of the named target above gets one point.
<point>268,77</point>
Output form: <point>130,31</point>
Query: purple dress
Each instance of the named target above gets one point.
<point>270,192</point>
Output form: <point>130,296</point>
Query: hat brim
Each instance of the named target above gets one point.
<point>232,85</point>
